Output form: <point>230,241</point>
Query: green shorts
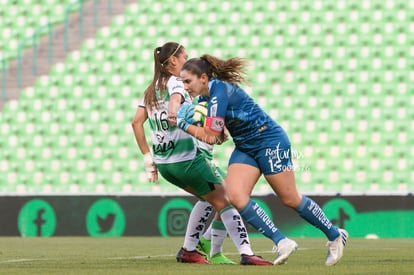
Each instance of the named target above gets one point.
<point>218,170</point>
<point>196,174</point>
<point>208,155</point>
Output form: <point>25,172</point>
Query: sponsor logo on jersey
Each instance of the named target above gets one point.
<point>213,106</point>
<point>160,138</point>
<point>179,87</point>
<point>163,147</point>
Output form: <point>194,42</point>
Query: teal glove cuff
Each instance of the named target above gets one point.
<point>185,116</point>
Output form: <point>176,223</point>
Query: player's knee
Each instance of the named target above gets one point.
<point>290,201</point>
<point>220,205</point>
<point>238,201</point>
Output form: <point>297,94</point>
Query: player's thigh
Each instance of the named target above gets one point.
<point>217,198</point>
<point>284,185</point>
<point>242,176</point>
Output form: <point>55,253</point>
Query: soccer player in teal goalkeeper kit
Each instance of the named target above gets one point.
<point>176,155</point>
<point>261,147</point>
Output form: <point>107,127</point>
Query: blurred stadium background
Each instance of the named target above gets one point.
<point>337,74</point>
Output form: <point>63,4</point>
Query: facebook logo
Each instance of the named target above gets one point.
<point>39,222</point>
<point>37,219</point>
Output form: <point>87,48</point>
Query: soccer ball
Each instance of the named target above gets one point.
<point>200,113</point>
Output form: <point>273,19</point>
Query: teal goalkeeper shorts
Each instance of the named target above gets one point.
<point>196,174</point>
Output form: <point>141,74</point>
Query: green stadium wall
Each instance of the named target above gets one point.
<point>116,216</point>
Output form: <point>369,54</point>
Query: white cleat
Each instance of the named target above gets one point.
<point>283,250</point>
<point>336,248</point>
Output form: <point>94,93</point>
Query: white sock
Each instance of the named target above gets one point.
<point>236,229</point>
<point>207,233</point>
<point>218,234</point>
<point>196,224</point>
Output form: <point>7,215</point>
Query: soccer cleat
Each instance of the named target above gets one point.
<point>336,248</point>
<point>219,258</point>
<point>253,260</point>
<point>204,245</point>
<point>283,250</point>
<point>194,257</point>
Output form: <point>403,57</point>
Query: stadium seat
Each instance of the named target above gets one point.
<point>335,76</point>
<point>21,21</point>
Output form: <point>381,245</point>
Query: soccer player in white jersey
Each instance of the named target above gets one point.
<point>175,153</point>
<point>261,147</point>
<point>210,243</point>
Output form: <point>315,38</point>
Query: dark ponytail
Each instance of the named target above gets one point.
<point>231,70</point>
<point>161,74</point>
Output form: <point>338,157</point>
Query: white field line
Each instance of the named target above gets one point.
<point>21,260</point>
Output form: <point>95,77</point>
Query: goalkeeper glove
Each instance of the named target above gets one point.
<point>185,116</point>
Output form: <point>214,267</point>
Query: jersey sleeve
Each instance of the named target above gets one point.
<point>176,86</point>
<point>217,106</point>
<point>142,103</point>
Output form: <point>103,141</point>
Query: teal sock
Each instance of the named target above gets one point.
<point>312,213</point>
<point>257,217</point>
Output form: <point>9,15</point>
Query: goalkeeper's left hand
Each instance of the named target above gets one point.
<point>185,116</point>
<point>224,136</point>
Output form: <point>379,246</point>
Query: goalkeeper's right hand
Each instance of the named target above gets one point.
<point>150,168</point>
<point>185,116</point>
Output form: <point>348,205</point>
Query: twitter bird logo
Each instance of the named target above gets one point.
<point>105,224</point>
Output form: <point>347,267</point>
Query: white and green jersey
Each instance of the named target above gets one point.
<point>206,149</point>
<point>169,144</point>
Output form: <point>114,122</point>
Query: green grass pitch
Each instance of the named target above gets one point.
<point>156,255</point>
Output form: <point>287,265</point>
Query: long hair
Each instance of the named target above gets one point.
<point>161,74</point>
<point>231,70</point>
